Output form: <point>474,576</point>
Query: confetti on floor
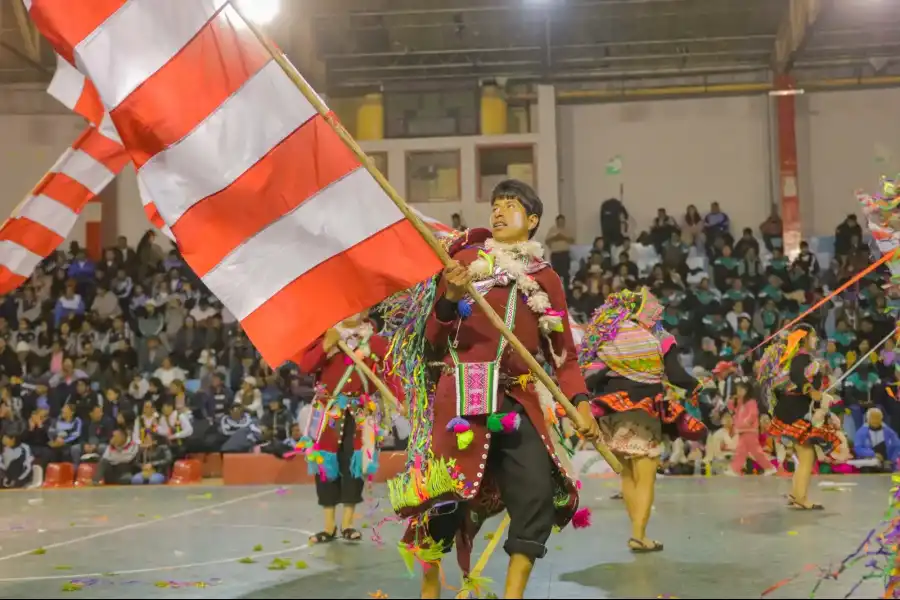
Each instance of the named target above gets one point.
<point>279,564</point>
<point>793,533</point>
<point>63,568</point>
<point>301,564</point>
<point>39,551</point>
<point>206,496</point>
<point>246,561</point>
<point>258,548</point>
<point>72,587</point>
<point>377,594</point>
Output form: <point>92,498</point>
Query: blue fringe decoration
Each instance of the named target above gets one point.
<point>330,465</point>
<point>464,309</point>
<point>356,463</point>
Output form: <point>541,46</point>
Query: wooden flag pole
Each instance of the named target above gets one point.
<point>383,389</point>
<point>313,98</point>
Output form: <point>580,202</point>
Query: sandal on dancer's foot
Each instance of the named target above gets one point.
<point>639,547</point>
<point>617,496</point>
<point>794,505</point>
<point>351,535</point>
<point>323,537</point>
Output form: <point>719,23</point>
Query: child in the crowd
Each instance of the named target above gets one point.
<point>175,426</point>
<point>156,461</point>
<point>746,424</point>
<point>148,422</point>
<point>64,433</point>
<point>17,468</point>
<point>119,462</point>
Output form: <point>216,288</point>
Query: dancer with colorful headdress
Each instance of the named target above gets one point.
<point>794,383</point>
<point>481,442</point>
<point>340,429</point>
<point>628,360</point>
<point>883,218</point>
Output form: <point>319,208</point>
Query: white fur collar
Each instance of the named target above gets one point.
<point>530,248</point>
<point>362,331</point>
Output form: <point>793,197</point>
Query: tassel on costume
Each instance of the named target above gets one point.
<point>464,439</point>
<point>495,423</point>
<point>581,518</point>
<point>458,425</point>
<point>503,422</point>
<point>463,309</point>
<point>511,422</point>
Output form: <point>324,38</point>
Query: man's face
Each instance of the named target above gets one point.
<point>96,414</point>
<point>510,223</point>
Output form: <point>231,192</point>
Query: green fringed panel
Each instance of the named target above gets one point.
<point>437,480</point>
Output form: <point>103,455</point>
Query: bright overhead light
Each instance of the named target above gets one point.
<point>261,12</point>
<point>790,92</point>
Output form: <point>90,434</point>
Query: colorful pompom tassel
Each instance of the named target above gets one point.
<point>458,425</point>
<point>581,518</point>
<point>347,360</point>
<point>464,439</point>
<point>464,309</point>
<point>511,422</point>
<point>495,422</point>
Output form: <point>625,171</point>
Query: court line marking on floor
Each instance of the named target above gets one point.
<point>113,574</point>
<point>140,524</point>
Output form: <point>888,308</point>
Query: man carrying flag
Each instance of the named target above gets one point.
<point>480,444</point>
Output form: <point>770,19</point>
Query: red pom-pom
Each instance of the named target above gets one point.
<point>347,360</point>
<point>582,518</point>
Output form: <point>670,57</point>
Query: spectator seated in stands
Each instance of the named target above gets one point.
<point>69,305</point>
<point>876,445</point>
<point>239,430</point>
<point>95,437</point>
<point>276,422</point>
<point>64,434</point>
<point>155,462</point>
<point>721,446</point>
<point>17,466</point>
<point>174,426</point>
<point>120,460</point>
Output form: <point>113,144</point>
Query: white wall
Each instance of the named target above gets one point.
<point>846,141</point>
<point>29,146</point>
<point>675,153</point>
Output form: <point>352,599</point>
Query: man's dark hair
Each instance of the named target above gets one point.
<point>525,194</point>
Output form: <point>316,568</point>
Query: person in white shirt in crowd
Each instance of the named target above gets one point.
<point>721,445</point>
<point>168,372</point>
<point>250,397</point>
<point>175,426</point>
<point>203,311</point>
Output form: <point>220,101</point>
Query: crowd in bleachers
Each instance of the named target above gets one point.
<point>724,294</point>
<point>131,363</point>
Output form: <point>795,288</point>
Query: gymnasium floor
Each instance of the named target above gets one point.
<point>724,538</point>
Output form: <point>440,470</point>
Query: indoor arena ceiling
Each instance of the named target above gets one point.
<point>369,44</point>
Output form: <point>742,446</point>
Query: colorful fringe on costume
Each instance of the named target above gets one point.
<point>883,218</point>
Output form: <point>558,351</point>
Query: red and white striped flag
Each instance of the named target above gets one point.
<point>268,206</point>
<point>46,217</point>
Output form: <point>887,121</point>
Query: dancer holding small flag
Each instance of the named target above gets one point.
<point>794,380</point>
<point>340,428</point>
